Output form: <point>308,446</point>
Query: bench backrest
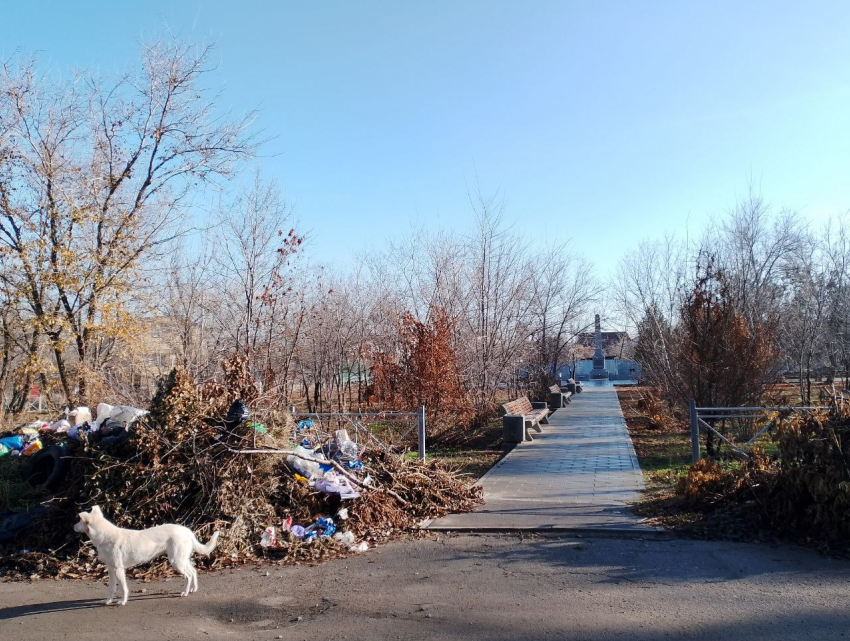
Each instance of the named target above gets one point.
<point>520,406</point>
<point>555,389</point>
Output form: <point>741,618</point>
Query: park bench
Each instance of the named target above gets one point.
<point>557,398</point>
<point>520,415</point>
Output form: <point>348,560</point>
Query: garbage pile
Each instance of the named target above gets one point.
<point>197,458</point>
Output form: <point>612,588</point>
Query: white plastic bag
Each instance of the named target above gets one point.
<point>346,538</point>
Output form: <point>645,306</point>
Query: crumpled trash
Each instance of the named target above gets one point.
<point>80,415</point>
<point>237,414</point>
<point>360,547</point>
<point>346,538</point>
<point>342,447</point>
<point>4,450</point>
<point>62,426</point>
<point>336,485</point>
<point>31,448</point>
<point>124,414</point>
<point>307,422</point>
<point>34,428</point>
<point>324,526</point>
<point>342,514</point>
<point>310,469</point>
<point>13,442</point>
<point>259,428</point>
<point>269,538</point>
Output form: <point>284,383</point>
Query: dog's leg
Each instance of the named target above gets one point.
<point>184,567</point>
<point>194,577</point>
<point>113,585</point>
<point>125,591</point>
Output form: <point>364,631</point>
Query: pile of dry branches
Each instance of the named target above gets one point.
<point>184,464</point>
<point>803,492</point>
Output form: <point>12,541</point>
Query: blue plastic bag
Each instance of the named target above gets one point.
<point>13,442</point>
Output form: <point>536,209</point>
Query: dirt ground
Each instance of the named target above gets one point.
<point>471,587</point>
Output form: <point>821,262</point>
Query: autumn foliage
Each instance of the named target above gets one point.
<point>423,371</point>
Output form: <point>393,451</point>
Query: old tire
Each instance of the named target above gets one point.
<point>47,468</point>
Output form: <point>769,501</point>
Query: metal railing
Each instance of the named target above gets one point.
<point>360,419</point>
<point>698,416</point>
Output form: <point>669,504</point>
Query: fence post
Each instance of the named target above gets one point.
<point>692,411</point>
<point>421,432</point>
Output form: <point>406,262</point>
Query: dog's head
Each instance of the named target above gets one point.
<point>86,519</point>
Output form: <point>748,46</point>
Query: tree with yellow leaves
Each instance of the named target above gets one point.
<point>95,176</point>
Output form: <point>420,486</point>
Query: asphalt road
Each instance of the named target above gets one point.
<point>471,587</point>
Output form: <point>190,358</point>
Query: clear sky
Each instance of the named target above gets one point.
<point>607,122</point>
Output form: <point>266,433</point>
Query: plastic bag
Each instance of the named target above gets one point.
<point>237,414</point>
<point>310,469</point>
<point>360,547</point>
<point>80,415</point>
<point>13,442</point>
<point>269,538</point>
<point>61,426</point>
<point>346,538</point>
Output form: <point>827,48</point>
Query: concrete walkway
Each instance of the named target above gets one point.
<point>580,474</point>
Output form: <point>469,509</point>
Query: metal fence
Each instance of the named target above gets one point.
<point>392,432</point>
<point>747,424</point>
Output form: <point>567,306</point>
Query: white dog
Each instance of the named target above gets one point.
<point>120,549</point>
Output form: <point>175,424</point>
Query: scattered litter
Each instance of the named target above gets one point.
<point>80,415</point>
<point>31,448</point>
<point>346,538</point>
<point>342,515</point>
<point>269,538</point>
<point>303,425</point>
<point>360,547</point>
<point>237,414</point>
<point>259,428</point>
<point>322,527</point>
<point>62,426</point>
<point>13,442</point>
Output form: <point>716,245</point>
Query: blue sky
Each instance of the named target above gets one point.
<point>604,122</point>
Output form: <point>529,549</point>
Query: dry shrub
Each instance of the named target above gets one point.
<point>706,482</point>
<point>804,493</point>
<point>814,489</point>
<point>424,372</point>
<point>654,409</point>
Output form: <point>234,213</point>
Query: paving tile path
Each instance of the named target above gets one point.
<point>579,474</point>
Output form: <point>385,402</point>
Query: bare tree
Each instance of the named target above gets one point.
<point>563,290</point>
<point>96,175</point>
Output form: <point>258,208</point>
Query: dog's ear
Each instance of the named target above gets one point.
<point>95,509</point>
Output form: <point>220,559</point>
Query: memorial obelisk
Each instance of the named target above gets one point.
<point>598,372</point>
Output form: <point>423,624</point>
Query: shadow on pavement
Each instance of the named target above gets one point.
<point>33,609</point>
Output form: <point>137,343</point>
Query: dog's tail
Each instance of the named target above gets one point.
<point>209,547</point>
